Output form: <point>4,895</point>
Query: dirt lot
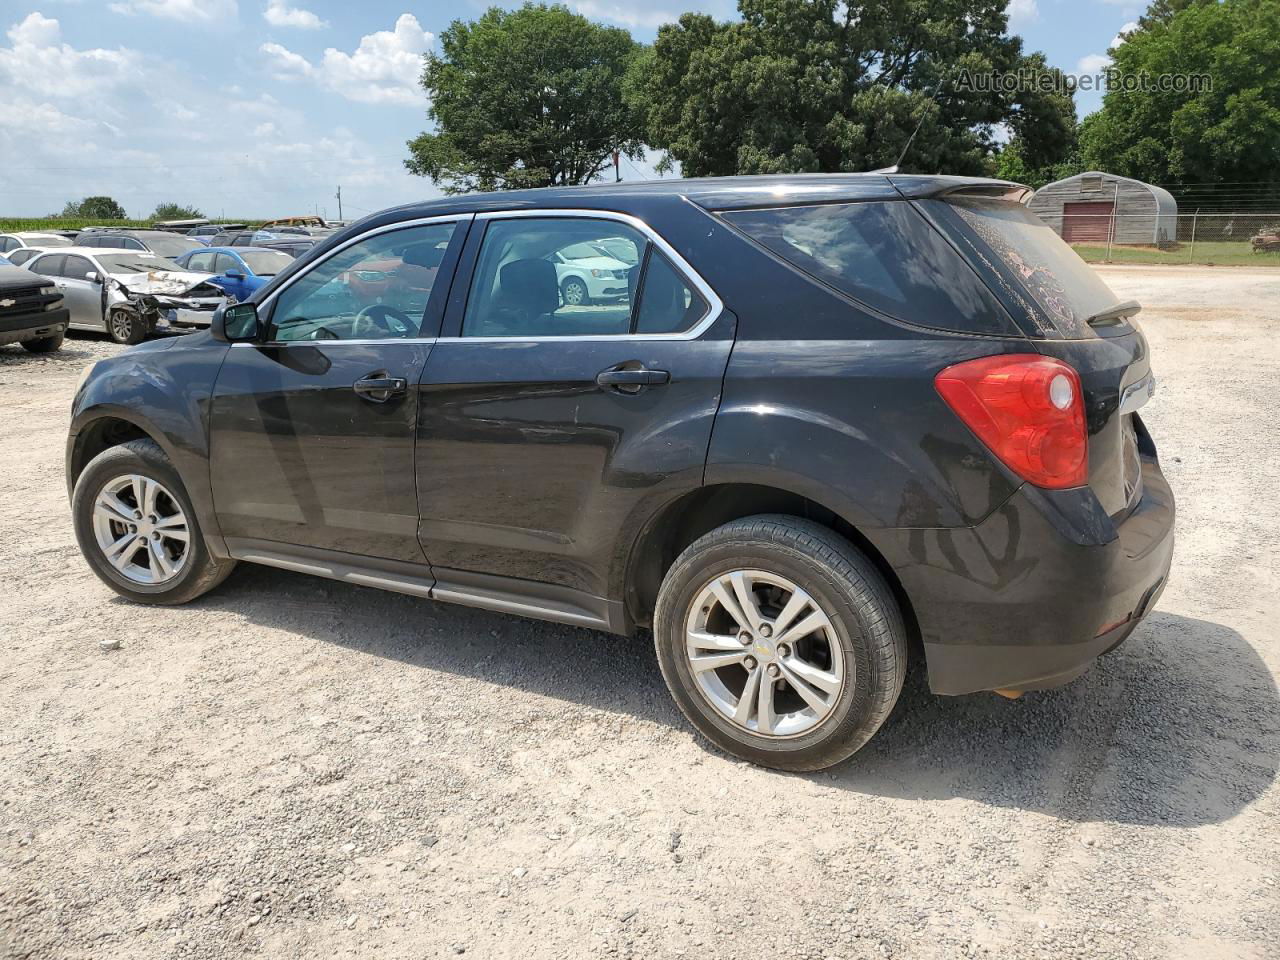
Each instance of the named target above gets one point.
<point>293,767</point>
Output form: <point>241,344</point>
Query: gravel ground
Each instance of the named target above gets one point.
<point>294,767</point>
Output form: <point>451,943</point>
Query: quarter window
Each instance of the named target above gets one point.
<point>372,290</point>
<point>883,254</point>
<point>574,277</point>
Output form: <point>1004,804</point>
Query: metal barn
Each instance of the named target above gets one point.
<point>1084,209</point>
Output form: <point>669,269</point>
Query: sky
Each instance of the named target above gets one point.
<point>263,108</point>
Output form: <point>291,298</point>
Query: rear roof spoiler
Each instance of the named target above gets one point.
<point>919,188</point>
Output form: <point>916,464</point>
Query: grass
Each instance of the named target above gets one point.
<point>1224,252</point>
<point>40,224</point>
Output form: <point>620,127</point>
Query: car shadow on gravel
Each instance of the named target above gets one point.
<point>1179,727</point>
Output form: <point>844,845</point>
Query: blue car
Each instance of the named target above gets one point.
<point>238,271</point>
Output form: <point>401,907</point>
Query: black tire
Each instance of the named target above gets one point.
<point>44,344</point>
<point>125,326</point>
<point>201,571</point>
<point>855,598</point>
<point>583,297</point>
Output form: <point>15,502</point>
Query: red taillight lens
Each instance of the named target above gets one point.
<point>1028,409</point>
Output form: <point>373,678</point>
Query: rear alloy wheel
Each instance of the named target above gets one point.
<point>780,642</point>
<point>574,292</point>
<point>124,326</point>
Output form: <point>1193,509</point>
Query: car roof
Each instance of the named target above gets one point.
<point>232,250</point>
<point>102,251</point>
<point>715,193</point>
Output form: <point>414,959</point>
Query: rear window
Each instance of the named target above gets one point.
<point>883,254</point>
<point>1062,285</point>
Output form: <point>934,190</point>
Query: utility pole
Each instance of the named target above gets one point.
<point>339,196</point>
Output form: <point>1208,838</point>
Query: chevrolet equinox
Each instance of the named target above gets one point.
<point>804,429</point>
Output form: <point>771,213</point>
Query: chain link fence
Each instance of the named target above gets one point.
<point>1250,239</point>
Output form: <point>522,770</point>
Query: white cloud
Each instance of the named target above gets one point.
<point>384,68</point>
<point>38,54</point>
<point>187,11</point>
<point>1022,12</point>
<point>631,16</point>
<point>1123,34</point>
<point>1093,63</point>
<point>285,62</point>
<point>280,14</point>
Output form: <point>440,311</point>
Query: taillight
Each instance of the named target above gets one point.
<point>1028,409</point>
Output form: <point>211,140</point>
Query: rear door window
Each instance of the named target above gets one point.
<point>884,255</point>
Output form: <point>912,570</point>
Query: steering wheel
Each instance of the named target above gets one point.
<point>381,317</point>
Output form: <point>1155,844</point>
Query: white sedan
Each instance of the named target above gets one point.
<point>587,273</point>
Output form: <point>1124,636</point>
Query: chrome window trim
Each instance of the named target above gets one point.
<point>715,306</point>
<point>277,344</point>
<point>269,301</point>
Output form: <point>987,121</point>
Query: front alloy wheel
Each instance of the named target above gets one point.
<point>141,529</point>
<point>574,292</point>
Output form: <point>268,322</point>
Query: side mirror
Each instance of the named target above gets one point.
<point>236,323</point>
<point>92,276</point>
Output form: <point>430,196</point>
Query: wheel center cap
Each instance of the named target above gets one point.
<point>763,648</point>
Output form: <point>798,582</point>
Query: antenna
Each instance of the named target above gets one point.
<point>937,88</point>
<point>339,196</point>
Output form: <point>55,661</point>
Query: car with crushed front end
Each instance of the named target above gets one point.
<point>833,424</point>
<point>127,294</point>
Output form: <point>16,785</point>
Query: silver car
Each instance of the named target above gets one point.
<point>12,241</point>
<point>128,294</point>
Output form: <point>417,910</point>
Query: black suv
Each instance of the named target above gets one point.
<point>818,426</point>
<point>32,311</point>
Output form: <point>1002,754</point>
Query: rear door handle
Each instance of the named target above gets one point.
<point>631,379</point>
<point>380,388</point>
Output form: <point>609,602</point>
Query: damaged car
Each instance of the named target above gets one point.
<point>127,294</point>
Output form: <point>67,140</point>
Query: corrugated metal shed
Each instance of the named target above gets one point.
<point>1086,207</point>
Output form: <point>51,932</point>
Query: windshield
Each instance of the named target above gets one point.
<point>170,246</point>
<point>266,263</point>
<point>583,251</point>
<point>43,240</point>
<point>1062,284</point>
<point>122,264</point>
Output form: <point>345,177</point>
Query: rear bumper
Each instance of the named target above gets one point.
<point>1030,597</point>
<point>14,328</point>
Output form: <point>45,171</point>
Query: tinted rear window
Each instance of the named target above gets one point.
<point>1062,285</point>
<point>883,254</point>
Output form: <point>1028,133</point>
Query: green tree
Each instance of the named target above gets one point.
<point>525,98</point>
<point>93,208</point>
<point>825,85</point>
<point>175,211</point>
<point>1229,133</point>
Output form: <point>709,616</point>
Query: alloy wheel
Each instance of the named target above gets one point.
<point>574,293</point>
<point>141,529</point>
<point>764,654</point>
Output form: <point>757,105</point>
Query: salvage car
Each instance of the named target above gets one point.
<point>837,422</point>
<point>32,311</point>
<point>12,241</point>
<point>160,242</point>
<point>127,294</point>
<point>239,272</point>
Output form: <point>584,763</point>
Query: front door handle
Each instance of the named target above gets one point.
<point>380,388</point>
<point>631,379</point>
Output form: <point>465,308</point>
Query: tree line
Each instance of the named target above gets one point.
<point>541,96</point>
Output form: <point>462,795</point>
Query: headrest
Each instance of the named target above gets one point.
<point>530,286</point>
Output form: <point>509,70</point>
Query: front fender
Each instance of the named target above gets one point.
<point>164,392</point>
